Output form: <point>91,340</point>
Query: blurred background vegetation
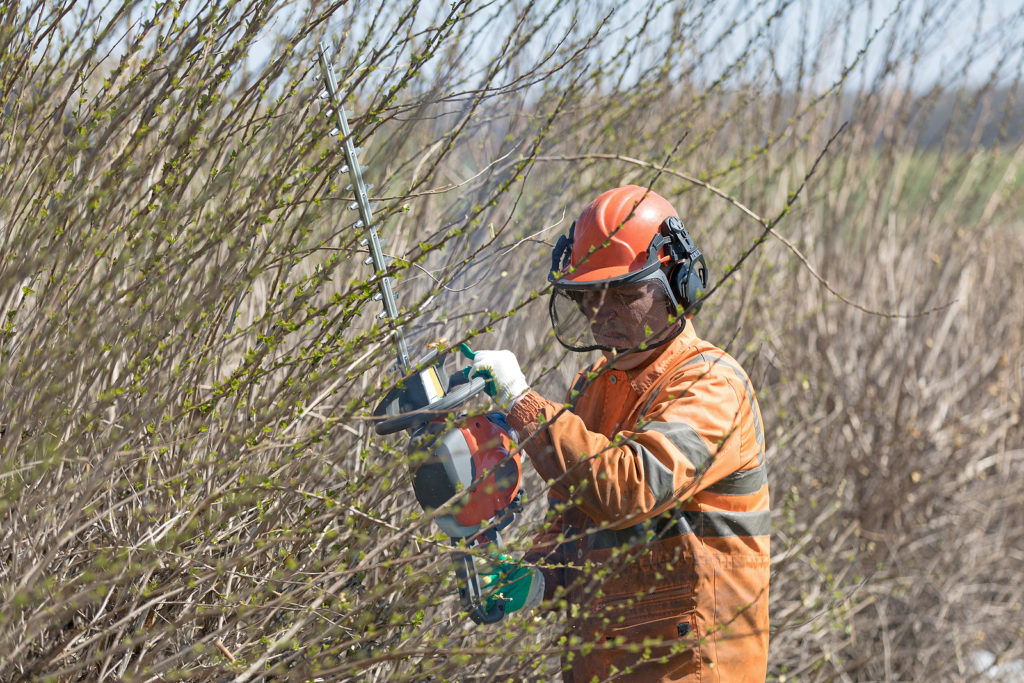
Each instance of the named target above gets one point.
<point>189,354</point>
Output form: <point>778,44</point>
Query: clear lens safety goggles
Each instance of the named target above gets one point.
<point>619,315</point>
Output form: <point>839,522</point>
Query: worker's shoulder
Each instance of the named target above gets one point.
<point>704,358</point>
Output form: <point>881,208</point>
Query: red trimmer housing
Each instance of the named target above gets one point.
<point>473,457</point>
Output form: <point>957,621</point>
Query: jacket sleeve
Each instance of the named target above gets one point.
<point>689,438</point>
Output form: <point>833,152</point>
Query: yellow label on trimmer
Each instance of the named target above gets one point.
<point>432,381</point>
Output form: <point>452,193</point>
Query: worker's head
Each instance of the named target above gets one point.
<point>626,276</point>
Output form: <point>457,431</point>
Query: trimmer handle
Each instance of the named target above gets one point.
<point>471,594</point>
<point>427,395</point>
<point>438,408</point>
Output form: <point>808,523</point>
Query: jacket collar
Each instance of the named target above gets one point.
<point>642,377</point>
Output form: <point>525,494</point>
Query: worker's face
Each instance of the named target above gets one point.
<point>627,315</point>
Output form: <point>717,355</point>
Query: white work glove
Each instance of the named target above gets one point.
<point>505,381</point>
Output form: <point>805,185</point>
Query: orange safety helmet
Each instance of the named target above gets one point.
<point>629,236</point>
<point>612,235</point>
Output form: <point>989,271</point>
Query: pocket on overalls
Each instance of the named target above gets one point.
<point>662,616</point>
<point>644,638</point>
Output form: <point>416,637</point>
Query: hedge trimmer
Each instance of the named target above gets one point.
<point>476,457</point>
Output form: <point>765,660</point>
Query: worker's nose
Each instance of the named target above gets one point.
<point>593,302</point>
<point>606,313</point>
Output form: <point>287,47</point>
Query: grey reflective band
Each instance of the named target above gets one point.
<point>725,524</point>
<point>686,439</point>
<point>659,478</point>
<point>668,525</point>
<point>683,523</point>
<point>704,358</point>
<point>742,483</point>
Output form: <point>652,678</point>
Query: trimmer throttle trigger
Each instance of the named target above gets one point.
<point>462,376</point>
<point>459,377</point>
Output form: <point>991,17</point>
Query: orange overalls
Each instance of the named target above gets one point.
<point>660,492</point>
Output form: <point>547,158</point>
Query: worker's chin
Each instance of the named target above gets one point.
<point>627,359</point>
<point>618,347</point>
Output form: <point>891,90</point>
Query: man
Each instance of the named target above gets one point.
<point>659,539</point>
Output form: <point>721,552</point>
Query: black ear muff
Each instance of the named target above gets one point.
<point>562,253</point>
<point>691,282</point>
<point>688,274</point>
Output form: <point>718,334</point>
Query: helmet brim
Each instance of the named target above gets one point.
<point>610,276</point>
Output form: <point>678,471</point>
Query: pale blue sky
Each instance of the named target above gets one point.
<point>808,27</point>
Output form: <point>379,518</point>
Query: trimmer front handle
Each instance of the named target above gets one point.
<point>425,396</point>
<point>471,594</point>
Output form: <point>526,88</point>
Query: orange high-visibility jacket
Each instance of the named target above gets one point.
<point>660,487</point>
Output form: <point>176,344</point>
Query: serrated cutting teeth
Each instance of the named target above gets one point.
<point>351,165</point>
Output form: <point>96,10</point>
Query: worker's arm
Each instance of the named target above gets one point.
<point>687,440</point>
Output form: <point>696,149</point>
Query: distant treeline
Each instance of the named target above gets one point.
<point>987,116</point>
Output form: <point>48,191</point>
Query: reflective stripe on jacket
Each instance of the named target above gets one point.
<point>660,477</point>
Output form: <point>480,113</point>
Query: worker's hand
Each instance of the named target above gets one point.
<point>505,381</point>
<point>514,585</point>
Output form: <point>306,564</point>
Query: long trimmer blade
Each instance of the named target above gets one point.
<point>362,204</point>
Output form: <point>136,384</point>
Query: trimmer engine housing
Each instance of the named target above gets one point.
<point>458,460</point>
